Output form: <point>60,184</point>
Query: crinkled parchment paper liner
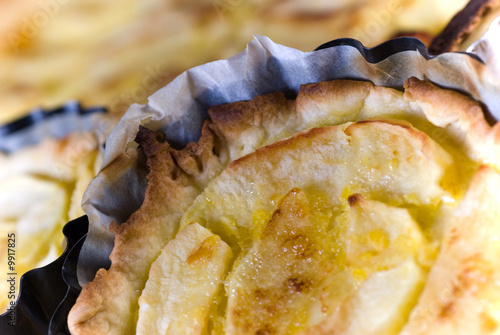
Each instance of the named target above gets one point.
<point>488,47</point>
<point>180,108</point>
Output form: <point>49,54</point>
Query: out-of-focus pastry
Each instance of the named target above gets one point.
<point>466,27</point>
<point>53,51</point>
<point>41,189</point>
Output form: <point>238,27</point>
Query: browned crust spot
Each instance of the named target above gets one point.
<point>461,25</point>
<point>234,118</point>
<point>205,252</point>
<point>107,304</point>
<point>427,91</point>
<point>448,106</point>
<point>342,91</point>
<point>464,281</point>
<point>354,199</point>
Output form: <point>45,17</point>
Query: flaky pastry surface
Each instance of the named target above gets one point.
<point>344,211</point>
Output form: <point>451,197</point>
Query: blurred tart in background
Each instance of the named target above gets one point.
<point>41,189</point>
<point>115,53</point>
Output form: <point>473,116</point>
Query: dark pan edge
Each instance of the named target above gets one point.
<point>58,323</point>
<point>36,117</point>
<point>42,290</point>
<point>384,50</point>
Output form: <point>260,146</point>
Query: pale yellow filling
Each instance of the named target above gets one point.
<point>353,256</point>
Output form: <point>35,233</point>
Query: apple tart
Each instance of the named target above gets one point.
<point>351,209</point>
<point>41,188</point>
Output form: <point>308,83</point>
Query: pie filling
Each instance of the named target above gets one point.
<point>336,225</point>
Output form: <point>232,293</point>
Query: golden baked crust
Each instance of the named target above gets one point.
<point>109,303</point>
<point>290,186</point>
<point>462,25</point>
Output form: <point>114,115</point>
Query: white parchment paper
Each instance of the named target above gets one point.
<point>180,108</point>
<point>488,47</point>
